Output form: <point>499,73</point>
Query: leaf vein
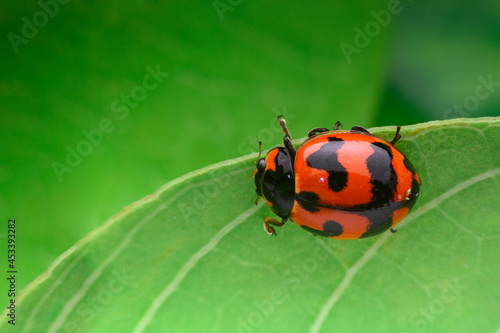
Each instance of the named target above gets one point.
<point>358,265</point>
<point>188,266</point>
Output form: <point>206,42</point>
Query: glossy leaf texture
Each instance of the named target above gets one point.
<point>215,85</point>
<point>193,256</point>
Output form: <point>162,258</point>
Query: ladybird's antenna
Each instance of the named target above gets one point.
<point>260,150</point>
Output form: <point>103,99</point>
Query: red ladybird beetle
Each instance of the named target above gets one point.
<point>337,184</point>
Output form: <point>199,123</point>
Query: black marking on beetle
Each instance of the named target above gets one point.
<point>372,231</point>
<point>309,201</point>
<point>408,165</point>
<point>380,219</point>
<point>313,205</point>
<point>415,189</point>
<point>326,158</point>
<point>316,232</point>
<point>278,187</point>
<point>384,178</point>
<point>333,228</point>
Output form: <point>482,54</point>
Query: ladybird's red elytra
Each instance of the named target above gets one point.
<point>337,184</point>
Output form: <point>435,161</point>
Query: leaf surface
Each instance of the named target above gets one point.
<point>193,256</point>
<point>228,80</point>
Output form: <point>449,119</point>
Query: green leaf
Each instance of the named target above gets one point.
<point>193,256</point>
<point>265,58</point>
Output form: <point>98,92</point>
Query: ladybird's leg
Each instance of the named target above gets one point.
<point>289,145</point>
<point>287,140</point>
<point>269,220</point>
<point>393,230</point>
<point>316,130</point>
<point>338,125</point>
<point>360,129</point>
<point>396,137</point>
<point>283,126</point>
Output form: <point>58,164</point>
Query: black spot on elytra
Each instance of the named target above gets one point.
<point>415,186</point>
<point>323,233</point>
<point>326,158</point>
<point>384,179</point>
<point>330,229</point>
<point>415,189</point>
<point>375,231</point>
<point>333,228</point>
<point>380,219</point>
<point>308,201</point>
<point>408,165</point>
<point>314,231</point>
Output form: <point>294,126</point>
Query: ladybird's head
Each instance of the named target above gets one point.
<point>274,180</point>
<point>260,167</point>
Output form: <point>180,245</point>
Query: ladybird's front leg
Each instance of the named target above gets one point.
<point>269,220</point>
<point>283,126</point>
<point>289,145</point>
<point>287,140</point>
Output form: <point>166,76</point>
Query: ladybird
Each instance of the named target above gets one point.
<point>337,184</point>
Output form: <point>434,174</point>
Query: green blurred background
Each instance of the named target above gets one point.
<point>233,66</point>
